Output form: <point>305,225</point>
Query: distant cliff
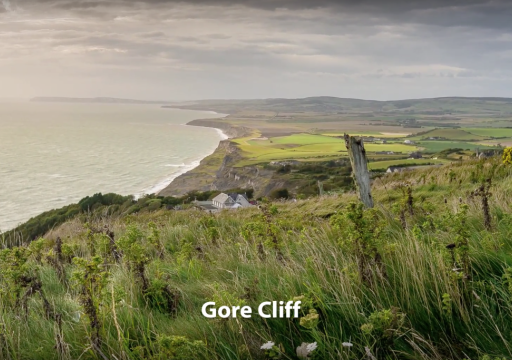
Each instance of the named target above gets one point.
<point>229,130</point>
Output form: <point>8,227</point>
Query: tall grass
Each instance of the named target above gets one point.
<point>425,307</point>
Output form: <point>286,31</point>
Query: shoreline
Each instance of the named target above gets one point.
<point>185,168</point>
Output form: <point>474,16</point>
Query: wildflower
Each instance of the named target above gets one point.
<point>311,347</point>
<point>305,349</point>
<point>267,346</point>
<point>347,344</point>
<point>76,316</point>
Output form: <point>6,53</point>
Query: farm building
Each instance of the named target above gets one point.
<point>415,155</point>
<point>409,142</point>
<point>224,201</point>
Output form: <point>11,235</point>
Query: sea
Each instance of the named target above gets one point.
<point>54,154</point>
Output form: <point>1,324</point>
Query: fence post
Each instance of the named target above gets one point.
<point>357,155</point>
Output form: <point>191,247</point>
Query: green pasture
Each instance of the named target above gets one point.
<point>490,132</point>
<point>436,146</point>
<point>450,134</point>
<point>306,139</point>
<point>304,147</point>
<point>372,133</point>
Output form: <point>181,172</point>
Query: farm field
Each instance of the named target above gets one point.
<point>500,142</point>
<point>436,146</point>
<point>373,133</point>
<point>311,129</point>
<point>490,132</point>
<point>314,147</point>
<point>306,147</point>
<point>450,134</point>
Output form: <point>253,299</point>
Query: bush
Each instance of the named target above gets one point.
<point>507,156</point>
<point>279,194</point>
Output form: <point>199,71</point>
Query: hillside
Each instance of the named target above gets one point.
<point>310,130</point>
<point>333,104</point>
<point>427,274</point>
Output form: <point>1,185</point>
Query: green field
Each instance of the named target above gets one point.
<point>305,147</point>
<point>450,134</point>
<point>436,146</point>
<point>490,132</point>
<point>372,133</point>
<point>301,139</point>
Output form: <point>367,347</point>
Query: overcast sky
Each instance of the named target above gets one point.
<point>172,50</point>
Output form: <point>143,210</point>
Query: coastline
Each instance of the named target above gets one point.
<point>185,168</point>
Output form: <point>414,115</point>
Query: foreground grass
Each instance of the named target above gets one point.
<point>412,301</point>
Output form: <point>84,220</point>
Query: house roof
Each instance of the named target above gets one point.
<point>242,196</point>
<point>222,198</point>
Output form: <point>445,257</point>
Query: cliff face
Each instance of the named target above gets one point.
<point>216,172</point>
<point>230,131</point>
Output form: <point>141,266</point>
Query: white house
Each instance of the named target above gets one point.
<point>242,201</point>
<point>223,201</point>
<point>230,201</point>
<point>408,142</point>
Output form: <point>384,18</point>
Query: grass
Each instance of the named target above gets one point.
<point>306,139</point>
<point>437,146</point>
<point>304,147</point>
<point>373,133</point>
<point>490,132</point>
<point>451,134</point>
<point>385,164</point>
<point>422,309</point>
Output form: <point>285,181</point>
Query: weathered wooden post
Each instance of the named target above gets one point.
<point>357,155</point>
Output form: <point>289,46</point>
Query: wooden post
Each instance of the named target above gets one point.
<point>357,155</point>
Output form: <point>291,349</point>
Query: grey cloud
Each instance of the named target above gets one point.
<point>218,36</point>
<point>153,35</point>
<point>258,48</point>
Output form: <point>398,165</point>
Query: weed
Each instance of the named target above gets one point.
<point>91,278</point>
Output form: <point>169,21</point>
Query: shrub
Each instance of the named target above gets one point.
<point>279,194</point>
<point>507,156</point>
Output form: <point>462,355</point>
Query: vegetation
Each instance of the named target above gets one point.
<point>426,274</point>
<point>112,205</point>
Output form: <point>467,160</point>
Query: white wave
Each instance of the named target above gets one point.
<point>175,165</point>
<point>222,134</point>
<point>155,189</point>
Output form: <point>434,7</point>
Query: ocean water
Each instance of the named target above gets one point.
<point>54,154</point>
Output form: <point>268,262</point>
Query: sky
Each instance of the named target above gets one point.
<point>219,49</point>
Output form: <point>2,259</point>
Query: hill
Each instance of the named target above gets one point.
<point>327,104</point>
<point>427,274</point>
